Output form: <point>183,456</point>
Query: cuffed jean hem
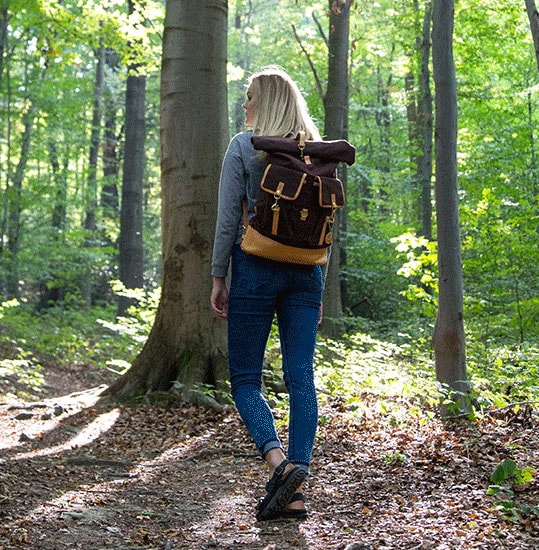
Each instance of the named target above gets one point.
<point>304,467</point>
<point>267,447</point>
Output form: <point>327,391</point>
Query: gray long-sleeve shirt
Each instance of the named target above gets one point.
<point>240,178</point>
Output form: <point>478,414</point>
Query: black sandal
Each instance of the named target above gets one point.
<point>280,491</point>
<point>292,513</point>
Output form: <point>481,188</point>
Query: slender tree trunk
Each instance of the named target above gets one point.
<point>131,258</point>
<point>242,21</point>
<point>4,20</point>
<point>448,338</point>
<point>335,127</point>
<point>383,121</point>
<point>59,210</point>
<point>14,204</point>
<point>49,295</point>
<point>109,190</point>
<point>533,152</point>
<point>533,16</point>
<point>425,160</point>
<point>90,222</point>
<point>420,124</point>
<point>186,343</point>
<point>414,141</point>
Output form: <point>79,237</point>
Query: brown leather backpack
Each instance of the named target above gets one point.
<point>299,196</point>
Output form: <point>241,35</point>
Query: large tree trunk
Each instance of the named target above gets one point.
<point>186,343</point>
<point>448,339</point>
<point>335,127</point>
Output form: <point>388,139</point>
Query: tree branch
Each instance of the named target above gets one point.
<point>311,64</point>
<point>320,29</point>
<point>511,405</point>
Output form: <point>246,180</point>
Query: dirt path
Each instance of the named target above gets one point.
<point>79,473</point>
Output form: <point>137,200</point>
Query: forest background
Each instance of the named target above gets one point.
<point>66,257</point>
<point>88,222</point>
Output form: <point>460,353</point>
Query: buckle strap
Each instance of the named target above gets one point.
<point>276,478</point>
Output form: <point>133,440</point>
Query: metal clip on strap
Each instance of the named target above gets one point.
<point>301,144</point>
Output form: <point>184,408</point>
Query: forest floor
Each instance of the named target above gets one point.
<point>80,472</point>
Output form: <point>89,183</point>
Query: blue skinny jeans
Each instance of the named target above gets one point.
<point>260,289</point>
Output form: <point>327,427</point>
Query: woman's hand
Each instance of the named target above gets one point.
<point>219,298</point>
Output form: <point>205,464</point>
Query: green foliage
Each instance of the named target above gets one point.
<point>500,278</point>
<point>375,290</point>
<point>362,365</point>
<point>391,274</point>
<point>420,269</point>
<point>507,471</point>
<point>76,338</point>
<point>505,478</point>
<point>140,316</point>
<point>26,373</point>
<point>503,375</point>
<point>397,368</point>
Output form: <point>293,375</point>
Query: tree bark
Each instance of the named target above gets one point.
<point>131,257</point>
<point>533,16</point>
<point>4,20</point>
<point>186,344</point>
<point>335,127</point>
<point>425,161</point>
<point>109,189</point>
<point>91,186</point>
<point>15,206</point>
<point>448,338</point>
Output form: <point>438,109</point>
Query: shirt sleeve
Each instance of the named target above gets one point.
<point>232,190</point>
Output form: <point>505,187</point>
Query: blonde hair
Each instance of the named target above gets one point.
<point>279,106</point>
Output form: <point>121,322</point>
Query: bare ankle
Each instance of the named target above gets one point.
<point>274,458</point>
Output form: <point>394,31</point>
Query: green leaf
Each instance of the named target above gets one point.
<point>504,471</point>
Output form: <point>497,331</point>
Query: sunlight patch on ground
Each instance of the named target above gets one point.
<point>72,404</point>
<point>227,524</point>
<point>90,502</point>
<point>100,425</point>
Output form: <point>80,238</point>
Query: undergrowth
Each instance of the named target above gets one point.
<point>395,367</point>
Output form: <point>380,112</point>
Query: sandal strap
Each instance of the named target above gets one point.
<point>277,475</point>
<point>296,497</point>
<point>281,468</point>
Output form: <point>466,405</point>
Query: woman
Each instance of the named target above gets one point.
<point>261,288</point>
